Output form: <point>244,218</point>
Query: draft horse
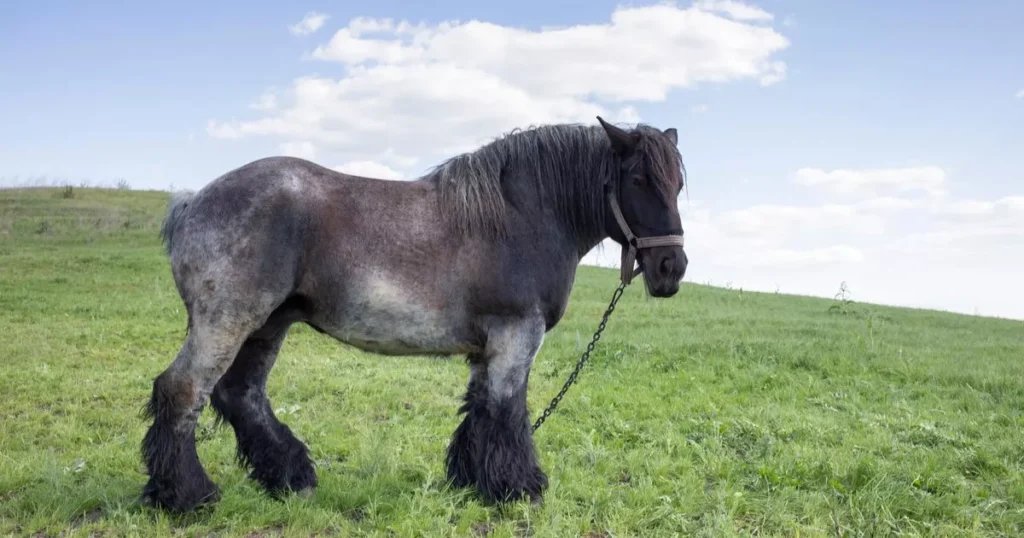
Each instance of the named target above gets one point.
<point>475,258</point>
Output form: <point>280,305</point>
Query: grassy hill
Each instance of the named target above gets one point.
<point>714,413</point>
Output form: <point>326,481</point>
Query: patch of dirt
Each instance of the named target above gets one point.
<point>357,515</point>
<point>523,529</point>
<point>272,531</point>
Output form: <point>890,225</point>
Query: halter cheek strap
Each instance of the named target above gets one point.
<point>634,243</point>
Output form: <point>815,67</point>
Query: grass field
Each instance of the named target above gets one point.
<point>714,413</point>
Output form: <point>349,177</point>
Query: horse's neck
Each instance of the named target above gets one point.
<point>586,219</point>
<point>581,215</point>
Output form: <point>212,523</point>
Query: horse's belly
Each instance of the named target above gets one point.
<point>380,318</point>
<point>388,333</point>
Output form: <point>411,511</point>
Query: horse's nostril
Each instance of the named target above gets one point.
<point>667,264</point>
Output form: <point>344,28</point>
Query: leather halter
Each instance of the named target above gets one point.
<point>634,243</point>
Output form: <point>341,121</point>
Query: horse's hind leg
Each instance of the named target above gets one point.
<point>177,480</point>
<point>279,461</point>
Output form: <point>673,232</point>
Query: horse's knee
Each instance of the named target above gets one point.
<point>173,406</point>
<point>172,396</point>
<point>228,400</point>
<point>510,354</point>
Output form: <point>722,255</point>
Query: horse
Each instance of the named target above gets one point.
<point>476,258</point>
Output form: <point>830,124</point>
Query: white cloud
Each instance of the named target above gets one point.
<point>312,22</point>
<point>266,101</point>
<point>888,203</point>
<point>965,208</point>
<point>1014,204</point>
<point>641,54</point>
<point>369,169</point>
<point>875,181</point>
<point>838,254</point>
<point>1020,94</point>
<point>977,221</point>
<point>975,234</point>
<point>734,9</point>
<point>782,220</point>
<point>700,109</point>
<point>439,89</point>
<point>303,149</point>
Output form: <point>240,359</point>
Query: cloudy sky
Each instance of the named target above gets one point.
<point>873,142</point>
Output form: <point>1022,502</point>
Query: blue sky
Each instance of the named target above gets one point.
<point>884,153</point>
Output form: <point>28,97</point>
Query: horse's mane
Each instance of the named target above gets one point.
<point>569,164</point>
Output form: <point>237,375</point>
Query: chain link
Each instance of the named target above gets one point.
<point>583,359</point>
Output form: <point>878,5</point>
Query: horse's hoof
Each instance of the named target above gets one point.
<point>305,493</point>
<point>179,502</point>
<point>536,501</point>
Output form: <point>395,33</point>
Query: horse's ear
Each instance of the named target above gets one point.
<point>672,135</point>
<point>623,142</point>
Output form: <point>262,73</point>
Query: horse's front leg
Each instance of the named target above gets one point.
<point>493,447</point>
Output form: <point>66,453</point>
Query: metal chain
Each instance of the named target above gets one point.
<point>583,359</point>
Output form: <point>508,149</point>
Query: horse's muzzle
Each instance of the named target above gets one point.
<point>664,268</point>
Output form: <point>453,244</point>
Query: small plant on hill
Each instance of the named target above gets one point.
<point>843,303</point>
<point>68,192</point>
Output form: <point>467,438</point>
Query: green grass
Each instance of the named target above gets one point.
<point>714,413</point>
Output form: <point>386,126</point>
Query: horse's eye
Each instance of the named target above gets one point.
<point>640,179</point>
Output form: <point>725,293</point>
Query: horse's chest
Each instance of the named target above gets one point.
<point>382,317</point>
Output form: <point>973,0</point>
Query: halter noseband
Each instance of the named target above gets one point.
<point>634,243</point>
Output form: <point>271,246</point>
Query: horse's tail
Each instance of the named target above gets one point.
<point>176,209</point>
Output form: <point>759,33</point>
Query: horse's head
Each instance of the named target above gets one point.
<point>645,188</point>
